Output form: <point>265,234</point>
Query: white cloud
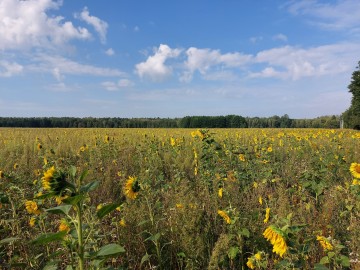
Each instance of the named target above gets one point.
<point>136,28</point>
<point>338,15</point>
<point>8,69</point>
<point>26,24</point>
<point>256,39</point>
<point>203,60</point>
<point>59,65</point>
<point>99,25</point>
<point>280,37</point>
<point>292,62</point>
<point>110,52</point>
<point>154,67</point>
<point>113,86</point>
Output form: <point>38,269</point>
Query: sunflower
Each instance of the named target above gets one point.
<point>39,146</point>
<point>355,169</point>
<point>48,178</point>
<point>32,221</point>
<point>224,216</point>
<point>267,215</point>
<point>32,207</point>
<point>324,242</point>
<point>220,192</point>
<point>250,263</point>
<point>131,188</point>
<point>1,174</point>
<point>276,238</point>
<point>64,226</point>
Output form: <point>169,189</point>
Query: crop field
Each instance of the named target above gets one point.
<point>179,199</point>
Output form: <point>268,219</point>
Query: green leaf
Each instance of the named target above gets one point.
<point>153,237</point>
<point>74,199</point>
<point>8,240</point>
<point>145,258</point>
<point>83,175</point>
<point>331,254</point>
<point>319,266</point>
<point>245,232</point>
<point>62,209</point>
<point>324,260</point>
<point>232,252</point>
<point>89,187</point>
<point>106,209</point>
<point>72,171</point>
<point>49,237</point>
<point>345,261</point>
<point>110,250</point>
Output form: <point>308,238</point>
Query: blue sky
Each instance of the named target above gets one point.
<point>161,58</point>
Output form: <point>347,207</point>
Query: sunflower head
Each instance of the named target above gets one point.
<point>355,169</point>
<point>132,187</point>
<point>55,181</point>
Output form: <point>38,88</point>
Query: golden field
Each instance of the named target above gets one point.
<point>179,199</point>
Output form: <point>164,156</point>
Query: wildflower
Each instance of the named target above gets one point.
<point>242,157</point>
<point>64,226</point>
<point>269,149</point>
<point>32,221</point>
<point>267,215</point>
<point>355,169</point>
<point>32,207</point>
<point>132,188</point>
<point>224,216</point>
<point>324,242</point>
<point>1,174</point>
<point>274,235</point>
<point>220,192</point>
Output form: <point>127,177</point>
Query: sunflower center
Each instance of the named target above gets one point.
<point>357,168</point>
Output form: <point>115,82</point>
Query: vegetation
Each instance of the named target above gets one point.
<point>179,199</point>
<point>229,121</point>
<point>352,115</point>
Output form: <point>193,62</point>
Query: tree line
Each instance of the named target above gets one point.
<point>228,121</point>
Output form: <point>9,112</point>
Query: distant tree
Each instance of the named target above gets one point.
<point>352,115</point>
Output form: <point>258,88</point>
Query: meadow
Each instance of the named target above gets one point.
<point>179,199</point>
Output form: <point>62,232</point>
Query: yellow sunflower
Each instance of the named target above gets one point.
<point>131,188</point>
<point>324,242</point>
<point>275,237</point>
<point>32,207</point>
<point>1,174</point>
<point>355,169</point>
<point>47,178</point>
<point>224,216</point>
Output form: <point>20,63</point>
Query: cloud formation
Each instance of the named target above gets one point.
<point>99,25</point>
<point>8,69</point>
<point>154,67</point>
<point>25,25</point>
<point>334,15</point>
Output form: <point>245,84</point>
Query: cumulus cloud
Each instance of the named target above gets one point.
<point>334,15</point>
<point>154,67</point>
<point>99,25</point>
<point>26,24</point>
<point>204,59</point>
<point>8,69</point>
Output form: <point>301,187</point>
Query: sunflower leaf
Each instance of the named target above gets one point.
<point>62,209</point>
<point>106,209</point>
<point>48,237</point>
<point>89,187</point>
<point>110,250</point>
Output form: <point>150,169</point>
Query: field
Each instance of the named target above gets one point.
<point>179,199</point>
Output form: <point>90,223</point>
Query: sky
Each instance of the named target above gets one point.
<point>161,58</point>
